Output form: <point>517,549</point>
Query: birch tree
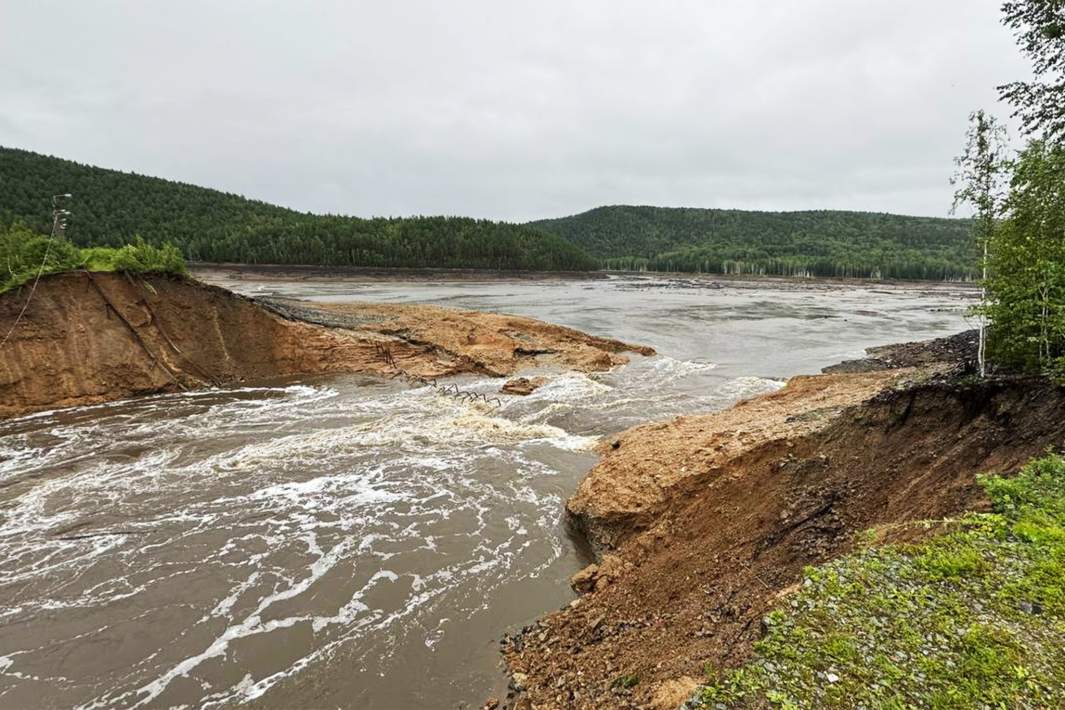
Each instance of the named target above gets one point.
<point>979,178</point>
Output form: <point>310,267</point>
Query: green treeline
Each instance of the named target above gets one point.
<point>1026,264</point>
<point>815,243</point>
<point>110,207</point>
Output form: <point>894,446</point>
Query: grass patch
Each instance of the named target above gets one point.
<point>973,618</point>
<point>23,251</point>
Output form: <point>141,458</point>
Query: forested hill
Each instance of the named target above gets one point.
<point>110,207</point>
<point>821,243</point>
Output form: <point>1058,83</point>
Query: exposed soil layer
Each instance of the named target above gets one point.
<point>446,341</point>
<point>646,468</point>
<point>705,523</point>
<point>89,338</point>
<point>956,351</point>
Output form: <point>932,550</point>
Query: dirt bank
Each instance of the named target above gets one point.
<point>436,341</point>
<point>704,523</point>
<point>89,338</point>
<point>645,468</point>
<point>957,352</point>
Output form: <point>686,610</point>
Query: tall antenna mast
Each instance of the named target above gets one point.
<point>59,215</point>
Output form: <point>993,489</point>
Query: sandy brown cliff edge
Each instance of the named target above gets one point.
<point>645,467</point>
<point>89,338</point>
<point>705,523</point>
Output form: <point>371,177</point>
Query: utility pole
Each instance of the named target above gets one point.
<point>59,228</point>
<point>59,215</point>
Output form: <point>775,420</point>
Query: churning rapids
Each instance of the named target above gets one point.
<point>354,542</point>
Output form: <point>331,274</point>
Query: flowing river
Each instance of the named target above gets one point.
<point>353,542</point>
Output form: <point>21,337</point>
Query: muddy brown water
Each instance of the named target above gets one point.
<point>350,542</point>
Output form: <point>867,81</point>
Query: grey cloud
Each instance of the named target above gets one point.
<point>513,110</point>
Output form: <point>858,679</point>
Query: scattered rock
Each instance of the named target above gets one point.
<point>584,581</point>
<point>956,350</point>
<point>671,694</point>
<point>522,385</point>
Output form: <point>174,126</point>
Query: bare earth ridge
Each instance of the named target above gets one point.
<point>90,338</point>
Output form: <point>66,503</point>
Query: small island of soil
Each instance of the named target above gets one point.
<point>523,385</point>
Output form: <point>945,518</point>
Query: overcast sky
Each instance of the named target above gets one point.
<point>512,110</point>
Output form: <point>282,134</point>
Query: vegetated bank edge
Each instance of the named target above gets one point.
<point>970,616</point>
<point>705,525</point>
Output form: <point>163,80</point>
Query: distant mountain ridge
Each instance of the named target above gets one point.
<point>809,243</point>
<point>110,207</point>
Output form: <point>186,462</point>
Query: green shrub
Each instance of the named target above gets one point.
<point>24,254</point>
<point>136,258</point>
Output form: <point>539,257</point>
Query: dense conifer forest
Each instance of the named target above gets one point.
<point>816,243</point>
<point>109,208</point>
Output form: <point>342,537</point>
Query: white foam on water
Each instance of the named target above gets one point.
<point>670,368</point>
<point>252,624</point>
<point>377,479</point>
<point>744,387</point>
<point>569,387</point>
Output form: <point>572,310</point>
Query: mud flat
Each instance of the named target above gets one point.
<point>266,272</point>
<point>703,524</point>
<point>91,338</point>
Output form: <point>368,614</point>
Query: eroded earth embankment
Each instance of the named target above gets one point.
<point>89,338</point>
<point>704,523</point>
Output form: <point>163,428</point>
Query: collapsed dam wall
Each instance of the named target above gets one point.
<point>87,338</point>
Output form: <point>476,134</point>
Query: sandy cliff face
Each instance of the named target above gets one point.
<point>89,338</point>
<point>646,467</point>
<point>705,523</point>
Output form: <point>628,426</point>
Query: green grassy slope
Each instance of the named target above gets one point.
<point>818,243</point>
<point>110,207</point>
<point>973,618</point>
